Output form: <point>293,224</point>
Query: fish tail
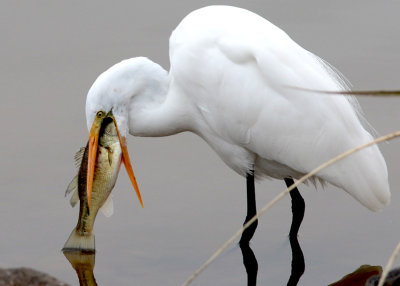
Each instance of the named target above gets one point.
<point>79,242</point>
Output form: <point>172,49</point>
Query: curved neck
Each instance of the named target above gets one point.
<point>158,109</point>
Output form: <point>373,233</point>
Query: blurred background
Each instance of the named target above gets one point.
<point>50,54</point>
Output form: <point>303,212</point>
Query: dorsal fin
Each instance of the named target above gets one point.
<point>73,185</point>
<point>78,156</point>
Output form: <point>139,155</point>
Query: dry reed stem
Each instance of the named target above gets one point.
<point>281,195</point>
<point>385,93</point>
<point>389,265</point>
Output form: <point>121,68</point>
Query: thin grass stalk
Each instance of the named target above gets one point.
<point>389,265</point>
<point>281,195</point>
<point>367,92</point>
<point>385,93</point>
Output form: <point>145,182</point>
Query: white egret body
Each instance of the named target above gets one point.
<point>231,82</point>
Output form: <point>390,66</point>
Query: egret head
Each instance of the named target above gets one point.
<point>109,97</point>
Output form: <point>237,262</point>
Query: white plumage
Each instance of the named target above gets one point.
<point>234,81</point>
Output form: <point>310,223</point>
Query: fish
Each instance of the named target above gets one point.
<point>106,169</point>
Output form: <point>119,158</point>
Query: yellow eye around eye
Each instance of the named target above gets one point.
<point>100,114</point>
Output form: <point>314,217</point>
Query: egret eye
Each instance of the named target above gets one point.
<point>100,114</point>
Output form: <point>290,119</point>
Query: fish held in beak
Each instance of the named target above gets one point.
<point>107,164</point>
<point>92,146</point>
<point>126,160</point>
<point>99,164</point>
<point>93,143</point>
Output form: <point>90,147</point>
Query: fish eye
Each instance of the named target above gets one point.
<point>100,114</point>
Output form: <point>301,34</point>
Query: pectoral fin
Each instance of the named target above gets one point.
<point>108,207</point>
<point>73,185</point>
<point>74,199</point>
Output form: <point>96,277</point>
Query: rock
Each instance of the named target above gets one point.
<point>392,279</point>
<point>27,276</point>
<point>359,276</point>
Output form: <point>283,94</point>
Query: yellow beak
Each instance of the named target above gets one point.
<point>93,142</point>
<point>127,161</point>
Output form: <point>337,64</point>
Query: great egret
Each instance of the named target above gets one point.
<point>243,85</point>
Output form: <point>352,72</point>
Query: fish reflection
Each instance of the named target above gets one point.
<point>83,263</point>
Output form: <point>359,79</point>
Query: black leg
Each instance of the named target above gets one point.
<point>298,207</point>
<point>251,210</point>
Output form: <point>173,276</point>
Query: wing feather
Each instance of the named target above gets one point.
<point>240,71</point>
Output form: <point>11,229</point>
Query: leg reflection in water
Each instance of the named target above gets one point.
<point>298,207</point>
<point>250,264</point>
<point>249,259</point>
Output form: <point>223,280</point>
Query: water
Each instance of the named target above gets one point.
<point>50,54</point>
